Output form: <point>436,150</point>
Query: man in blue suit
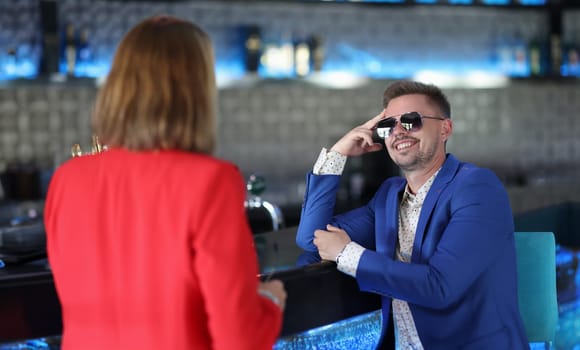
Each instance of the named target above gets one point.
<point>437,244</point>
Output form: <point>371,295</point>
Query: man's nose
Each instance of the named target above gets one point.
<point>398,129</point>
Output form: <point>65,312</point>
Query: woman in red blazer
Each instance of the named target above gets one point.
<point>148,241</point>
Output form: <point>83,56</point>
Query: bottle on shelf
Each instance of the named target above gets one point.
<point>571,59</point>
<point>302,66</point>
<point>502,53</point>
<point>84,55</point>
<point>511,54</point>
<point>277,59</point>
<point>520,64</point>
<point>69,50</point>
<point>555,54</point>
<point>537,57</point>
<point>11,60</point>
<point>252,42</point>
<point>316,52</point>
<point>287,54</point>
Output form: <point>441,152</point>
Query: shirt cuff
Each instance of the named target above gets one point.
<point>329,163</point>
<point>267,294</point>
<point>347,261</point>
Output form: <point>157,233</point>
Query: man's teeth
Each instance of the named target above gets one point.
<point>404,145</point>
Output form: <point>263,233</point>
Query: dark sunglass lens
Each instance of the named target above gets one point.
<point>411,121</point>
<point>387,123</point>
<point>385,127</point>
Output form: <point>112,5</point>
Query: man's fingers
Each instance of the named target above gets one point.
<point>331,228</point>
<point>371,123</point>
<point>317,235</point>
<point>374,147</point>
<point>366,139</point>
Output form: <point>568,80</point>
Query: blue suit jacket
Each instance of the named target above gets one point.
<point>461,284</point>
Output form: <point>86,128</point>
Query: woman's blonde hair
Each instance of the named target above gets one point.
<point>160,92</point>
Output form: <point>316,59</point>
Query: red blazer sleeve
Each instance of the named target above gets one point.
<point>226,262</point>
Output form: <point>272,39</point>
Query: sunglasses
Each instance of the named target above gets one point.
<point>411,121</point>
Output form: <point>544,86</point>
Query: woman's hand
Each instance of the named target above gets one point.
<point>274,290</point>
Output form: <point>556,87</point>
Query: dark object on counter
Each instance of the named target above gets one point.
<point>259,219</point>
<point>22,242</point>
<point>21,181</point>
<point>29,303</point>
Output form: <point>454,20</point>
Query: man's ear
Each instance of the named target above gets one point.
<point>446,129</point>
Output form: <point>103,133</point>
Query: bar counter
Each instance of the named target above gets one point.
<point>318,294</point>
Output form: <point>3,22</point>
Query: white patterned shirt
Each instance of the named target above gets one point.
<point>409,211</point>
<point>329,163</point>
<point>332,163</point>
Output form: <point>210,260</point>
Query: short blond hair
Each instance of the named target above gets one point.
<point>407,87</point>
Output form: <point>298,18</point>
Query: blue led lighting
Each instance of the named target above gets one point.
<point>532,2</point>
<point>460,2</point>
<point>345,58</point>
<point>32,344</point>
<point>359,332</point>
<point>365,65</point>
<point>496,2</point>
<point>22,68</point>
<point>94,69</point>
<point>570,70</point>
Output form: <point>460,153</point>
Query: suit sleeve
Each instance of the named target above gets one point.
<point>226,262</point>
<point>480,227</point>
<point>318,211</point>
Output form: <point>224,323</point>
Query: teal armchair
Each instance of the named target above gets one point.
<point>536,262</point>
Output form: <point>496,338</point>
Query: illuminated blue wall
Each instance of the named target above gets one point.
<point>20,39</point>
<point>457,40</point>
<point>377,41</point>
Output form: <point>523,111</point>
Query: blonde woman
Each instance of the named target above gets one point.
<point>148,241</point>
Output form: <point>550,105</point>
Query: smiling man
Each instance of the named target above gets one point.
<point>437,243</point>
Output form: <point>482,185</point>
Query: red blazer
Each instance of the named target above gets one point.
<point>152,250</point>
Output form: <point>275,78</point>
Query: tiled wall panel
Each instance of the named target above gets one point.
<point>527,132</point>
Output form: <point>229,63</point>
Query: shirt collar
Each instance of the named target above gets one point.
<point>419,197</point>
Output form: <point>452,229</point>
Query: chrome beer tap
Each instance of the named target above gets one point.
<point>97,147</point>
<point>256,185</point>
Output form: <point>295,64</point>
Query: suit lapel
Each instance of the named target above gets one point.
<point>391,228</point>
<point>446,174</point>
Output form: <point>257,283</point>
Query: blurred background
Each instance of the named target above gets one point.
<point>295,75</point>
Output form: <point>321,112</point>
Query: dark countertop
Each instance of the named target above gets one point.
<point>29,306</point>
<point>317,293</point>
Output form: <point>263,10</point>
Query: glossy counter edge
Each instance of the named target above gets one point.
<point>318,295</point>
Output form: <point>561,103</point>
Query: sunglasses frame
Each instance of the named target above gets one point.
<point>410,121</point>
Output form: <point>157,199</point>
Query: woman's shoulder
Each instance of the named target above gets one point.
<point>124,161</point>
<point>209,162</point>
